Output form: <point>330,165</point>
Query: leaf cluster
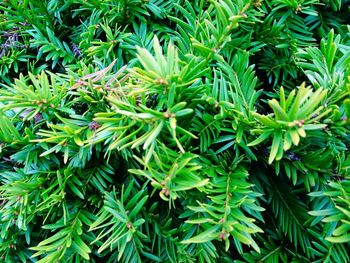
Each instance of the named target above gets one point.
<point>174,131</point>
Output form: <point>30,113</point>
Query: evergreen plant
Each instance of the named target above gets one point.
<point>175,131</point>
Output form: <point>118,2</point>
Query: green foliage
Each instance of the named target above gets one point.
<point>174,131</point>
<point>292,116</point>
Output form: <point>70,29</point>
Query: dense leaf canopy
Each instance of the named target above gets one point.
<point>175,131</point>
